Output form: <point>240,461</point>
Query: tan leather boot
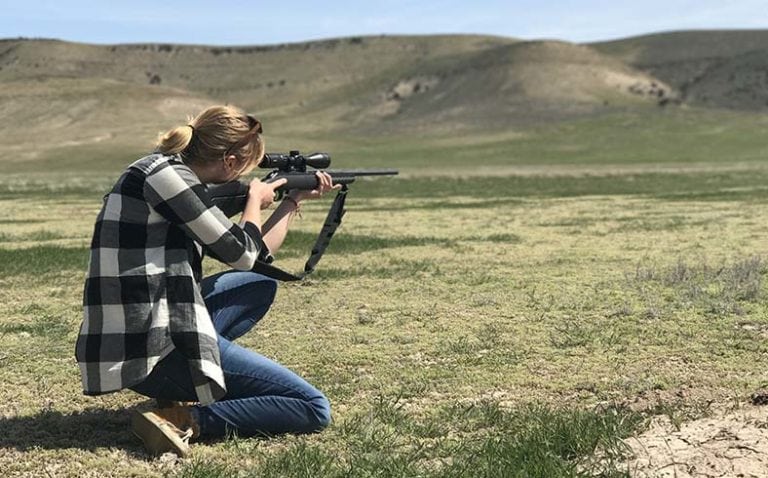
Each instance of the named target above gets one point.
<point>166,429</point>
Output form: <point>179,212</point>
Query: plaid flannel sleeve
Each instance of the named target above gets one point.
<point>175,192</point>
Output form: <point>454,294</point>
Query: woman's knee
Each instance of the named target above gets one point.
<point>258,296</point>
<point>254,291</point>
<point>322,409</point>
<point>267,288</point>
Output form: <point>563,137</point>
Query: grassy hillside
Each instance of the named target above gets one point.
<point>100,98</point>
<point>516,84</point>
<point>711,68</point>
<point>276,80</point>
<point>67,105</point>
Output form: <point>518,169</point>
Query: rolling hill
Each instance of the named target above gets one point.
<point>60,99</point>
<point>82,94</point>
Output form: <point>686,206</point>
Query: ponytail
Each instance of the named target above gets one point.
<point>176,140</point>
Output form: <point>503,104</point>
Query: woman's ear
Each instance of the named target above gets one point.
<point>230,162</point>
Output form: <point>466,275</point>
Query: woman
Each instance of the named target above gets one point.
<point>152,324</point>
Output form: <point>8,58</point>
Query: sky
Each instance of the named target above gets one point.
<point>241,22</point>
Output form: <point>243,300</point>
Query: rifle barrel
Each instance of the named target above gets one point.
<point>308,181</point>
<point>231,197</point>
<point>362,172</point>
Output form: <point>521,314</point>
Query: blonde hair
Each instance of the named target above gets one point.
<point>216,132</point>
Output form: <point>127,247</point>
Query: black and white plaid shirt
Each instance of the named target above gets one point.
<point>142,295</point>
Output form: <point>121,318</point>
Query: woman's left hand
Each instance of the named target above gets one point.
<point>324,184</point>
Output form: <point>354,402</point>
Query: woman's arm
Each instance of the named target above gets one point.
<point>276,227</point>
<point>175,192</point>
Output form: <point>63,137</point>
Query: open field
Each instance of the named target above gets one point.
<point>514,305</point>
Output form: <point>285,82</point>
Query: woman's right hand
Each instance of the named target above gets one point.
<point>264,193</point>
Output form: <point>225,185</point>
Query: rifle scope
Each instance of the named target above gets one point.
<point>295,161</point>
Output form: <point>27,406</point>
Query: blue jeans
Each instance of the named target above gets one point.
<point>263,397</point>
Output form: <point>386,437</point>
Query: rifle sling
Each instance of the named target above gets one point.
<point>332,222</point>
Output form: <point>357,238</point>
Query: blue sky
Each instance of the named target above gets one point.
<point>241,22</point>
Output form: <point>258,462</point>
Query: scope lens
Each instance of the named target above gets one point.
<point>318,160</point>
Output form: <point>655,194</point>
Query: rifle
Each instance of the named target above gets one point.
<point>231,198</point>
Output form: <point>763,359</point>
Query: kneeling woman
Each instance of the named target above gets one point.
<point>154,325</point>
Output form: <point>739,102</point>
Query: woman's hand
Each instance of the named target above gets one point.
<point>324,184</point>
<point>264,193</point>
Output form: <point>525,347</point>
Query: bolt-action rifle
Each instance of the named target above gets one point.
<point>231,197</point>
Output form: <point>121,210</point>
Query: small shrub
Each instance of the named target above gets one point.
<point>716,291</point>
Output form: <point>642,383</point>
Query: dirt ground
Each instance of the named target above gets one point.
<point>732,444</point>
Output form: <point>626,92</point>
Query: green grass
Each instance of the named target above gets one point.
<point>35,236</point>
<point>299,243</point>
<point>386,441</point>
<point>395,268</point>
<point>65,184</point>
<point>38,322</point>
<point>644,137</point>
<point>465,321</point>
<point>20,221</point>
<point>39,260</point>
<point>200,468</point>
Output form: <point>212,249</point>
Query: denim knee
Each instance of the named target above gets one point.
<point>270,289</point>
<point>322,408</point>
<point>259,294</point>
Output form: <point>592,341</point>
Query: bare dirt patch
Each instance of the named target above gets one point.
<point>733,444</point>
